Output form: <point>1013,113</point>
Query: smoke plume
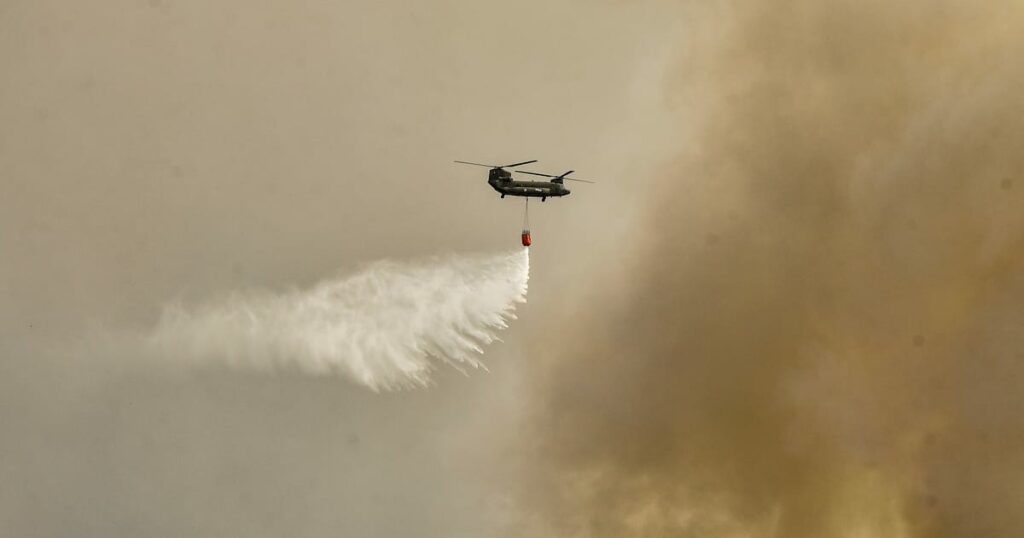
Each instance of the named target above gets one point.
<point>381,327</point>
<point>823,336</point>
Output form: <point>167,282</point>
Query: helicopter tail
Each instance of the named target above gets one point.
<point>561,179</point>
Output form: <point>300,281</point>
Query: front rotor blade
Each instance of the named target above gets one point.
<point>478,164</point>
<point>549,175</point>
<point>534,173</point>
<point>519,164</point>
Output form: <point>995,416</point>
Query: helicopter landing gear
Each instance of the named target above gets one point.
<point>543,198</point>
<point>502,196</point>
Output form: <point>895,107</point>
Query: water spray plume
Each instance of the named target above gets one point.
<point>384,327</point>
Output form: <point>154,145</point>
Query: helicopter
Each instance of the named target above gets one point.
<point>501,180</point>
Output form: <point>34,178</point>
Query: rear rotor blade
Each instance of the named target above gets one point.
<point>581,180</point>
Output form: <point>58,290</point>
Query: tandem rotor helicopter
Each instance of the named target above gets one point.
<point>501,180</point>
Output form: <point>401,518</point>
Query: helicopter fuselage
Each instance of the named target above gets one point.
<point>504,184</point>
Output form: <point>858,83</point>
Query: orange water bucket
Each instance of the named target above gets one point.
<point>527,240</point>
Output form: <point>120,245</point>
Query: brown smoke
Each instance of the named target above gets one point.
<point>823,335</point>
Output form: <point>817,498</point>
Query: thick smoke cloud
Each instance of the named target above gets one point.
<point>823,335</point>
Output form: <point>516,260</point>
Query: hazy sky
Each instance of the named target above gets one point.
<point>162,150</point>
<point>789,309</point>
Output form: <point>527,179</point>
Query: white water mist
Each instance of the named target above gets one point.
<point>384,327</point>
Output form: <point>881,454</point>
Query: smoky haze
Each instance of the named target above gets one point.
<point>806,323</point>
<point>821,335</point>
<point>165,151</point>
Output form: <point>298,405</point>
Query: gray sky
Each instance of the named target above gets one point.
<point>163,150</point>
<point>789,309</point>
